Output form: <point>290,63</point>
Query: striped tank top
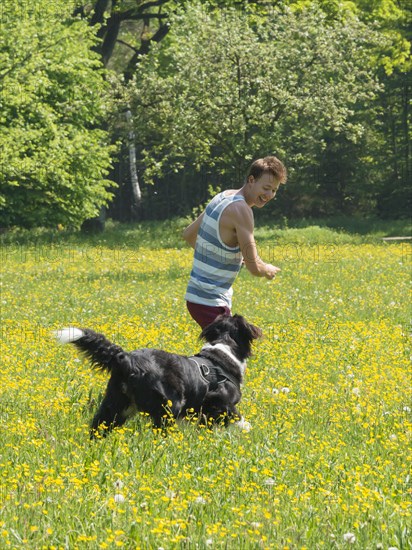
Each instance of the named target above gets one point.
<point>215,265</point>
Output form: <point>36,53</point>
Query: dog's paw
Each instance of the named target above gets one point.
<point>243,425</point>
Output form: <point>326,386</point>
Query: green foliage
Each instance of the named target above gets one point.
<point>54,156</point>
<point>219,91</point>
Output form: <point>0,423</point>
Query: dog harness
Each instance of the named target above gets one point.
<point>211,373</point>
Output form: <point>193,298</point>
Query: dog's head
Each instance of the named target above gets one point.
<point>233,331</point>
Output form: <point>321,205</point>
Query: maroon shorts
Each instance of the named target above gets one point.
<point>204,315</point>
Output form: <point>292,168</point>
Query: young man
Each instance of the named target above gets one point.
<point>222,237</point>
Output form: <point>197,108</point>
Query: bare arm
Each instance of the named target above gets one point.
<point>244,227</point>
<point>190,233</point>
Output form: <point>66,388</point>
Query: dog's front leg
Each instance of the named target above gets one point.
<point>112,411</point>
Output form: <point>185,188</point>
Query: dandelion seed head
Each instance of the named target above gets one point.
<point>269,481</point>
<point>118,484</point>
<point>244,425</point>
<point>349,538</point>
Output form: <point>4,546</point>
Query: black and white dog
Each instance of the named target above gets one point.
<point>166,385</point>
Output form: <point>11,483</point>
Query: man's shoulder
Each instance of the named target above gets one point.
<point>238,211</point>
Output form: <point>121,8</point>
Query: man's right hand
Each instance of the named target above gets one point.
<point>271,271</point>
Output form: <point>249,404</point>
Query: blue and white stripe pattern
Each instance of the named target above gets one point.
<point>215,264</point>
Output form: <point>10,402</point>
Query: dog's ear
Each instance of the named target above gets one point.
<point>248,331</point>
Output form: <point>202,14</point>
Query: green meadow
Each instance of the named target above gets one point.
<point>326,463</point>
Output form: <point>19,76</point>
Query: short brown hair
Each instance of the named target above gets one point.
<point>271,165</point>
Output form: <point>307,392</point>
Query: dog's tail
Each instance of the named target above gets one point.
<point>101,352</point>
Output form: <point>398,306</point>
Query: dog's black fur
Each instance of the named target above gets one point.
<point>167,385</point>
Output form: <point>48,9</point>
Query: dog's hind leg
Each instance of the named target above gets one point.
<point>113,411</point>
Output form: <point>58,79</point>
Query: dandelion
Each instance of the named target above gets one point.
<point>244,425</point>
<point>349,538</point>
<point>118,484</point>
<point>269,481</point>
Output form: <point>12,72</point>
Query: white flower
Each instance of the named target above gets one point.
<point>393,548</point>
<point>285,390</point>
<point>275,391</point>
<point>200,500</point>
<point>118,484</point>
<point>407,409</point>
<point>209,542</point>
<point>119,498</point>
<point>356,391</point>
<point>170,494</point>
<point>269,481</point>
<point>243,424</point>
<point>349,537</point>
<point>255,524</point>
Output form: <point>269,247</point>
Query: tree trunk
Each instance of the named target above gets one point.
<point>134,180</point>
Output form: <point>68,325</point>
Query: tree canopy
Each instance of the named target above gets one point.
<point>54,154</point>
<point>209,85</point>
<point>223,92</point>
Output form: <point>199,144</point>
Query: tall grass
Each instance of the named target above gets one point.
<point>326,463</point>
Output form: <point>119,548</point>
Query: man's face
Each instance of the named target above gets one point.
<point>263,189</point>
